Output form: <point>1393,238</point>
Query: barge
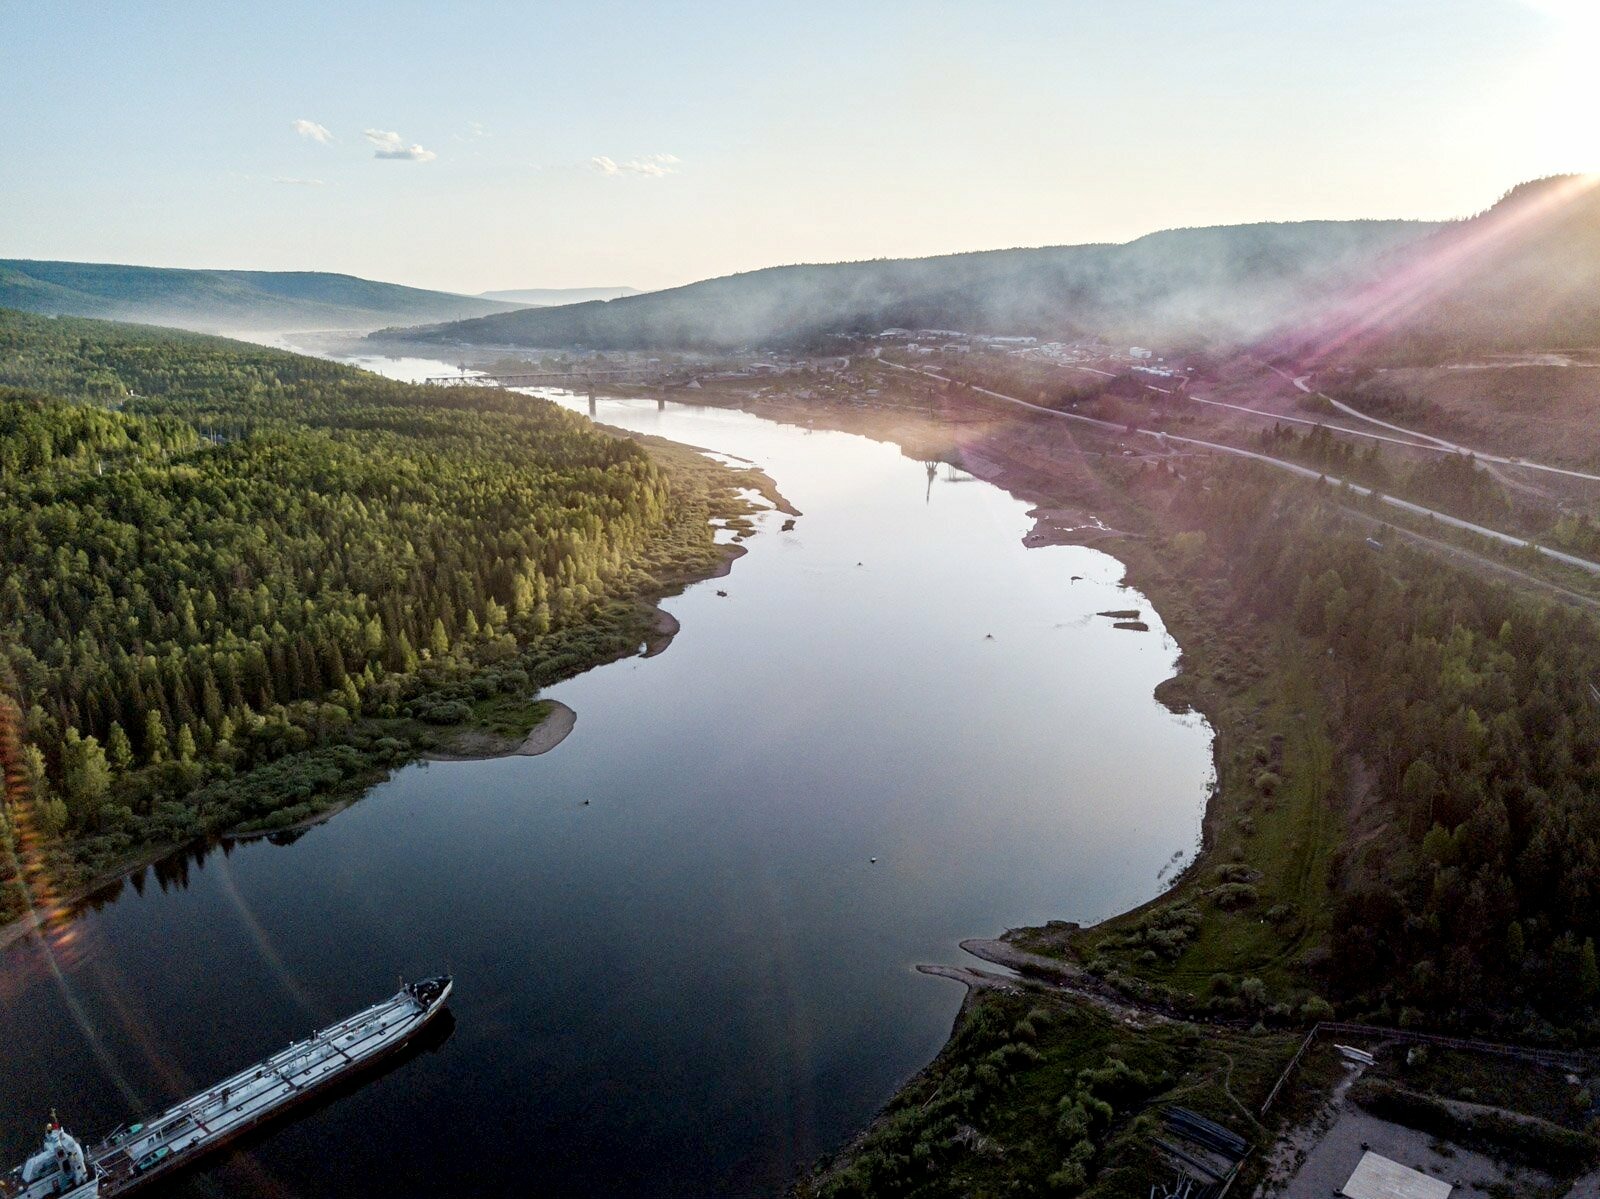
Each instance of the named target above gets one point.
<point>136,1154</point>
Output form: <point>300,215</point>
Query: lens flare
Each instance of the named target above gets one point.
<point>1422,279</point>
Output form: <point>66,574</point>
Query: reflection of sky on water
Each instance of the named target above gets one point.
<point>696,981</point>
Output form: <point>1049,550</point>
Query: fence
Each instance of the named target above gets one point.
<point>1575,1060</point>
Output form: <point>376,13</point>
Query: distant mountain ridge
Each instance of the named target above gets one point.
<point>226,300</point>
<point>1522,275</point>
<point>1182,285</point>
<point>543,297</point>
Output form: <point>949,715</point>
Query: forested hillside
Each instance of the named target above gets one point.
<point>1182,285</point>
<point>1522,277</point>
<point>1406,823</point>
<point>237,578</point>
<point>255,301</point>
<point>1472,708</point>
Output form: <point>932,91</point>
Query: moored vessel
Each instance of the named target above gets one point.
<point>138,1153</point>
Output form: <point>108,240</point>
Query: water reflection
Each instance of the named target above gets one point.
<point>680,970</point>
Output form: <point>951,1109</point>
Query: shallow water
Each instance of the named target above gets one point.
<point>697,981</point>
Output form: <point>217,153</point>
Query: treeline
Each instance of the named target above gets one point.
<point>258,550</point>
<point>1473,709</point>
<point>1453,483</point>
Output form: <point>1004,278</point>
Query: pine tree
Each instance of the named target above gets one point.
<point>156,748</point>
<point>211,706</point>
<point>406,657</point>
<point>119,751</point>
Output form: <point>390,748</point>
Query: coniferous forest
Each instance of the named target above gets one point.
<point>1466,892</point>
<point>238,580</point>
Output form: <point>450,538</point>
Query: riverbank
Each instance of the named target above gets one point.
<point>340,770</point>
<point>1243,679</point>
<point>1245,937</point>
<point>1247,685</point>
<point>554,722</point>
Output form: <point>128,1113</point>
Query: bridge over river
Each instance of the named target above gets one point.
<point>573,377</point>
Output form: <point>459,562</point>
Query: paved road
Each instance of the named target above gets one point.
<point>1295,468</point>
<point>1322,424</point>
<point>1301,383</point>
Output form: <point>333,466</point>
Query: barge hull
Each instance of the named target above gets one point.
<point>263,1092</point>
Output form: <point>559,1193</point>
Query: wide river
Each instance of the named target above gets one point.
<point>679,971</point>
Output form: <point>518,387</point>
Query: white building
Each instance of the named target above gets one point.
<point>1378,1177</point>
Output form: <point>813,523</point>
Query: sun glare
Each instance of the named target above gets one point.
<point>1567,85</point>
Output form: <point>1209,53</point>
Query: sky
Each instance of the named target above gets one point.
<point>471,146</point>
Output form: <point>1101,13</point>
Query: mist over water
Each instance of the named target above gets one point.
<point>678,971</point>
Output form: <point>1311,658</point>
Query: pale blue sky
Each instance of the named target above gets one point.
<point>744,135</point>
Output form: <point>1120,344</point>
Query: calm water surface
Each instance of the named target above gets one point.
<point>697,981</point>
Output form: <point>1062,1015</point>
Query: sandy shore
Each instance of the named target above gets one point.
<point>549,732</point>
<point>475,745</point>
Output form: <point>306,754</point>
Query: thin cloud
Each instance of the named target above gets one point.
<point>388,144</point>
<point>313,131</point>
<point>651,165</point>
<point>298,182</point>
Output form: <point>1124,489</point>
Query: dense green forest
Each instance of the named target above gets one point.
<point>1465,897</point>
<point>239,578</point>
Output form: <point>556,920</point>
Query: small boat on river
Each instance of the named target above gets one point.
<point>135,1154</point>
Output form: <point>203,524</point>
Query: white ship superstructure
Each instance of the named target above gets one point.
<point>137,1153</point>
<point>60,1169</point>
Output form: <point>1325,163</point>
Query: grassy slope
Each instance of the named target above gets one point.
<point>948,1132</point>
<point>1261,698</point>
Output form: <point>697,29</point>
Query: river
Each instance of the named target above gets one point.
<point>679,971</point>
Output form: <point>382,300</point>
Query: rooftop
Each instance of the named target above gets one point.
<point>1376,1177</point>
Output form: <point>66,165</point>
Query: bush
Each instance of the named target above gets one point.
<point>436,711</point>
<point>1230,897</point>
<point>1315,1010</point>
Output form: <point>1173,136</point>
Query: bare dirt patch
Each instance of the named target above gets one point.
<point>1315,1160</point>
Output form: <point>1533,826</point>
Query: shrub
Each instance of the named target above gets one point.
<point>1230,897</point>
